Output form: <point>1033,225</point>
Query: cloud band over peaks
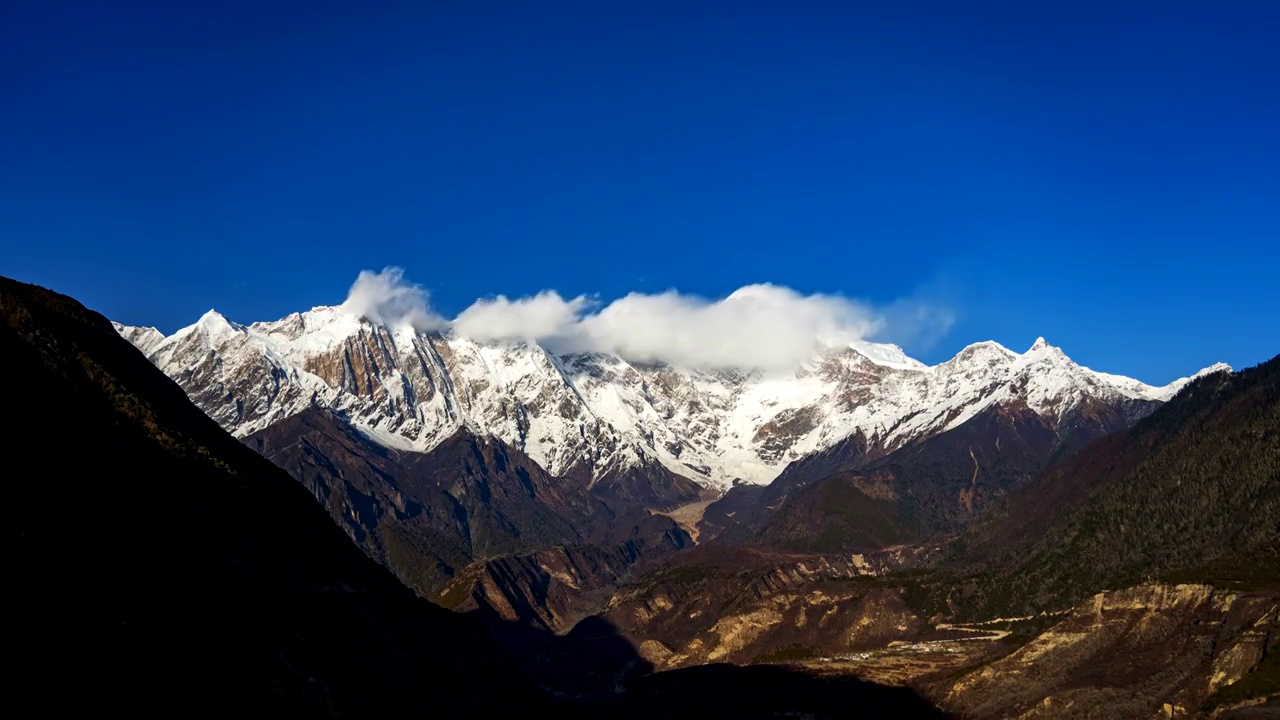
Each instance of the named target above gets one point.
<point>756,327</point>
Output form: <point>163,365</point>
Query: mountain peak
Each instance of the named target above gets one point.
<point>214,325</point>
<point>986,347</point>
<point>1041,349</point>
<point>1214,368</point>
<point>886,354</point>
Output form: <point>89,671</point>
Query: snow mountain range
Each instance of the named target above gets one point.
<point>596,414</point>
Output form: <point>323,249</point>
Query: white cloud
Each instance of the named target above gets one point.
<point>387,298</point>
<point>538,318</point>
<point>756,327</point>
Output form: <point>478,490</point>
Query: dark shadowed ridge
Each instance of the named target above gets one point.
<point>1191,493</point>
<point>853,496</point>
<point>163,567</point>
<point>475,524</point>
<point>428,515</point>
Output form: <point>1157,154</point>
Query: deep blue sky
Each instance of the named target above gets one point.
<point>1106,175</point>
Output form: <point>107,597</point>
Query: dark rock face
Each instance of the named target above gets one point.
<point>474,524</point>
<point>744,510</point>
<point>647,485</point>
<point>737,507</point>
<point>935,486</point>
<point>551,589</point>
<point>427,515</point>
<point>777,436</point>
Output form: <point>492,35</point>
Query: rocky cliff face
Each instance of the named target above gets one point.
<point>601,417</point>
<point>1156,650</point>
<point>724,604</point>
<point>552,589</point>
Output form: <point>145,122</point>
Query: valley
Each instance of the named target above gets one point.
<point>688,517</point>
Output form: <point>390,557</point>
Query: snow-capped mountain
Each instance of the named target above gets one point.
<point>599,414</point>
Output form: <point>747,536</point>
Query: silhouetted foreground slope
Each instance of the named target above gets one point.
<point>163,567</point>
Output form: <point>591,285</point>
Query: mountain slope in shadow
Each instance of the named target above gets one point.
<point>854,497</point>
<point>426,516</point>
<point>1191,493</point>
<point>164,567</point>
